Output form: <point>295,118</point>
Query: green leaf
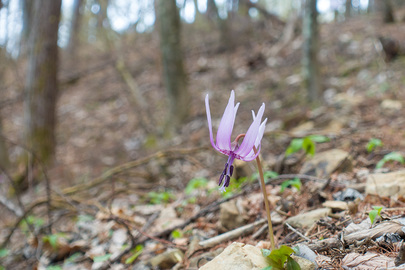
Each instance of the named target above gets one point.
<point>176,234</point>
<point>269,175</point>
<point>309,146</point>
<point>380,164</point>
<point>292,264</point>
<point>102,258</point>
<point>268,268</point>
<point>196,183</point>
<point>295,146</point>
<point>319,138</point>
<point>3,252</point>
<point>296,182</point>
<point>372,215</point>
<point>393,156</point>
<point>378,208</point>
<point>372,144</point>
<point>265,252</point>
<point>54,267</point>
<point>137,251</point>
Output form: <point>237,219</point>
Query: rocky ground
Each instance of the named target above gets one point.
<point>126,197</point>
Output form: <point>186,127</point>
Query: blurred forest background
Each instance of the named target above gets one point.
<point>104,99</point>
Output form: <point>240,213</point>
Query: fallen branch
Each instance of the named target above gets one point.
<point>231,234</point>
<point>373,233</point>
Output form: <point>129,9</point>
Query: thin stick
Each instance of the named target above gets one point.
<point>297,232</point>
<point>266,202</point>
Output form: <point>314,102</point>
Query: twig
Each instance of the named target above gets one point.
<point>297,232</point>
<point>231,234</point>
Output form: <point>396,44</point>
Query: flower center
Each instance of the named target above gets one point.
<point>226,173</point>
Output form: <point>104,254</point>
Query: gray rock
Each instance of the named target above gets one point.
<point>324,163</point>
<point>305,252</point>
<point>306,220</point>
<point>386,184</point>
<point>238,256</point>
<point>231,216</point>
<point>304,263</point>
<point>167,259</point>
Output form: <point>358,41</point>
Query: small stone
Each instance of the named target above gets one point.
<point>238,256</point>
<point>307,219</point>
<point>336,206</point>
<point>386,184</point>
<point>231,216</point>
<point>391,105</point>
<point>304,263</point>
<point>324,163</point>
<point>167,259</point>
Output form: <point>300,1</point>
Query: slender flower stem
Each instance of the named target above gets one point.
<point>266,202</point>
<point>263,186</point>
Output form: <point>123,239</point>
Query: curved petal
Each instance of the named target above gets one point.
<point>260,133</point>
<point>226,125</point>
<point>207,108</point>
<point>259,137</point>
<point>251,135</point>
<point>252,156</point>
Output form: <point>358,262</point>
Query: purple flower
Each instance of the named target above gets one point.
<point>223,143</point>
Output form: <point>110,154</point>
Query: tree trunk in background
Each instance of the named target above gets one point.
<point>102,14</point>
<point>75,27</point>
<point>41,88</point>
<point>388,11</point>
<point>174,75</point>
<point>348,8</point>
<point>4,159</point>
<point>27,12</point>
<point>371,6</point>
<point>310,50</point>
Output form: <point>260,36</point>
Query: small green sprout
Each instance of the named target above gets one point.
<point>3,252</point>
<point>102,258</point>
<point>372,144</point>
<point>52,239</point>
<point>296,182</point>
<point>393,156</point>
<point>160,197</point>
<point>307,144</point>
<point>280,259</point>
<point>176,234</point>
<point>196,183</point>
<point>374,213</point>
<point>136,252</point>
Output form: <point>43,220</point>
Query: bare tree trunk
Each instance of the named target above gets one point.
<point>4,159</point>
<point>174,74</point>
<point>27,10</point>
<point>371,6</point>
<point>311,47</point>
<point>388,11</point>
<point>102,14</point>
<point>348,8</point>
<point>41,88</point>
<point>75,27</point>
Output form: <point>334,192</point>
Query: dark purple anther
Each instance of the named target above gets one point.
<point>231,170</point>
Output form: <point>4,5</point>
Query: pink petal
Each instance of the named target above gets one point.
<point>251,135</point>
<point>226,125</point>
<point>207,108</point>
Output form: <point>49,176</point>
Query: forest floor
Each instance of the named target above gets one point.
<point>126,195</point>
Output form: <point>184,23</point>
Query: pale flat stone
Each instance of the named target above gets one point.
<point>324,163</point>
<point>304,263</point>
<point>306,220</point>
<point>386,184</point>
<point>238,256</point>
<point>336,205</point>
